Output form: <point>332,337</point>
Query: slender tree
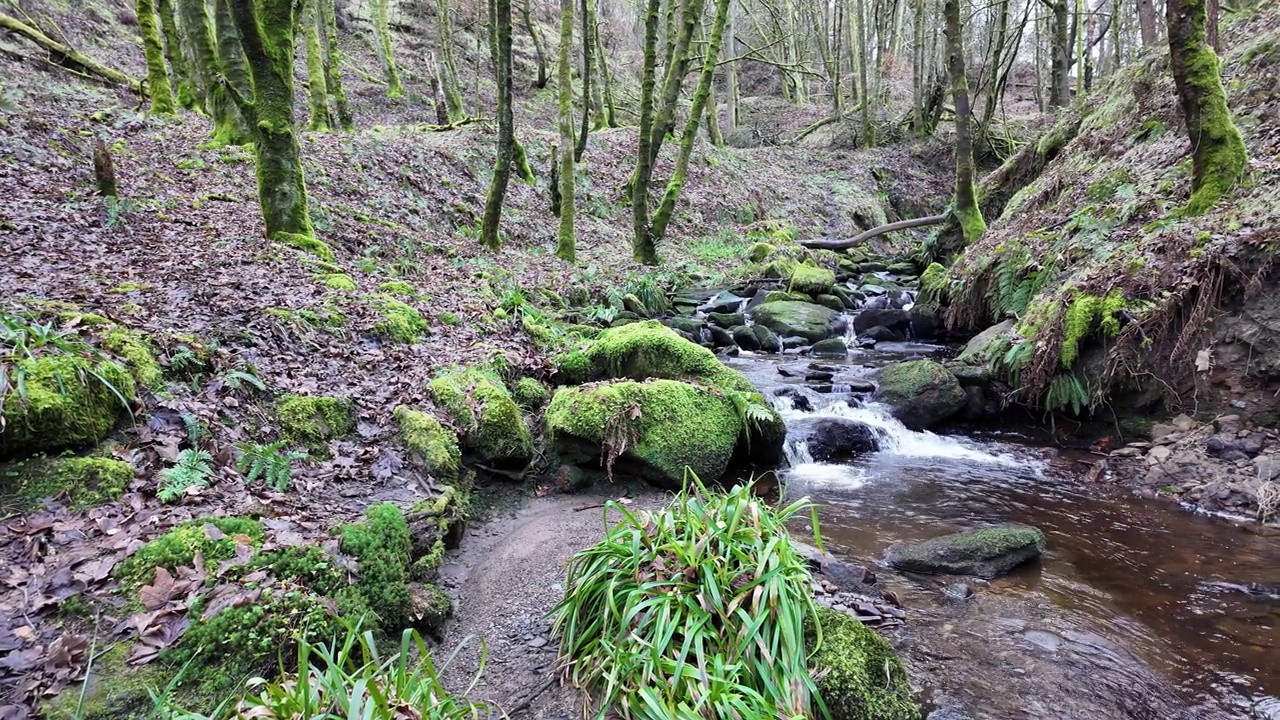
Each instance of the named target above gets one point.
<point>587,21</point>
<point>526,13</point>
<point>452,86</point>
<point>489,236</point>
<point>228,126</point>
<point>317,82</point>
<point>188,97</point>
<point>1147,23</point>
<point>333,64</point>
<point>643,247</point>
<point>386,53</point>
<point>1060,53</point>
<point>1218,154</point>
<point>565,241</point>
<point>158,87</point>
<point>602,60</point>
<point>965,205</point>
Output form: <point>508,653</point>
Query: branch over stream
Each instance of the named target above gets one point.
<point>874,232</point>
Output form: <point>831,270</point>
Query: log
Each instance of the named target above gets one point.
<point>68,54</point>
<point>875,232</point>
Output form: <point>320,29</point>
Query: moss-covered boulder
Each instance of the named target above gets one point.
<point>312,421</point>
<point>433,445</point>
<point>86,481</point>
<point>400,322</point>
<point>799,319</point>
<point>983,552</point>
<point>759,251</point>
<point>487,418</point>
<point>138,355</point>
<point>65,402</point>
<point>859,676</point>
<point>530,393</point>
<point>775,296</point>
<point>653,429</point>
<point>649,350</point>
<point>979,350</point>
<point>811,280</point>
<point>921,393</point>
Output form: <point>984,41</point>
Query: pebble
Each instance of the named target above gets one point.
<point>537,642</point>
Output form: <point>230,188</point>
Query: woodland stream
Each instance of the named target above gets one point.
<point>1136,610</point>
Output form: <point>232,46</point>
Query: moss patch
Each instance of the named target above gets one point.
<point>382,547</point>
<point>432,444</point>
<point>859,677</point>
<point>314,421</point>
<point>400,322</point>
<point>87,481</point>
<point>336,281</point>
<point>650,350</point>
<point>179,547</point>
<point>69,402</point>
<point>530,393</point>
<point>812,280</point>
<point>137,353</point>
<point>486,416</point>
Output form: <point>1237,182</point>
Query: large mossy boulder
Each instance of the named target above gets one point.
<point>62,402</point>
<point>313,420</point>
<point>654,429</point>
<point>486,416</point>
<point>922,393</point>
<point>649,350</point>
<point>859,676</point>
<point>432,445</point>
<point>982,552</point>
<point>811,280</point>
<point>800,319</point>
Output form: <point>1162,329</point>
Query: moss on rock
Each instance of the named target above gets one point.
<point>922,393</point>
<point>759,251</point>
<point>336,281</point>
<point>801,319</point>
<point>383,548</point>
<point>66,402</point>
<point>650,350</point>
<point>313,421</point>
<point>811,280</point>
<point>137,353</point>
<point>572,368</point>
<point>87,481</point>
<point>530,393</point>
<point>180,546</point>
<point>859,676</point>
<point>400,322</point>
<point>487,417</point>
<point>434,445</point>
<point>402,288</point>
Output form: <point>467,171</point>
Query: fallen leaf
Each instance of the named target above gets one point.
<point>159,593</point>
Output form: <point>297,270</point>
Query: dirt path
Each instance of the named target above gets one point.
<point>508,572</point>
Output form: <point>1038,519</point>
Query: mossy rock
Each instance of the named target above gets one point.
<point>572,368</point>
<point>530,393</point>
<point>67,402</point>
<point>811,280</point>
<point>759,251</point>
<point>87,481</point>
<point>632,303</point>
<point>180,546</point>
<point>650,350</point>
<point>664,425</point>
<point>433,445</point>
<point>487,418</point>
<point>987,552</point>
<point>922,393</point>
<point>859,677</point>
<point>830,348</point>
<point>726,320</point>
<point>798,319</point>
<point>336,281</point>
<point>774,296</point>
<point>383,549</point>
<point>832,301</point>
<point>400,322</point>
<point>978,351</point>
<point>312,421</point>
<point>903,268</point>
<point>138,354</point>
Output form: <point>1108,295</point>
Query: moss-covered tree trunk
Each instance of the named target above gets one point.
<point>317,82</point>
<point>965,205</point>
<point>526,13</point>
<point>565,239</point>
<point>665,112</point>
<point>489,227</point>
<point>714,133</point>
<point>1060,57</point>
<point>228,127</point>
<point>1218,156</point>
<point>234,74</point>
<point>451,86</point>
<point>581,145</point>
<point>267,30</point>
<point>158,87</point>
<point>386,53</point>
<point>188,97</point>
<point>333,64</point>
<point>700,94</point>
<point>602,59</point>
<point>643,247</point>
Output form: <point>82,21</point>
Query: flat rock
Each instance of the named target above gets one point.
<point>982,552</point>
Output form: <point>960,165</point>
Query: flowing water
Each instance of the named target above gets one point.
<point>1136,610</point>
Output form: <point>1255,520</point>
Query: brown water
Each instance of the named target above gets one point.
<point>1138,609</point>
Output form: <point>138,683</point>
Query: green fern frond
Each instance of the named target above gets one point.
<point>269,462</point>
<point>192,469</point>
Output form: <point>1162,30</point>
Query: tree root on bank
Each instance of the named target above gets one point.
<point>874,232</point>
<point>64,54</point>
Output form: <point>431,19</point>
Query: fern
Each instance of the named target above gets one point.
<point>1008,280</point>
<point>236,378</point>
<point>193,469</point>
<point>269,462</point>
<point>1066,392</point>
<point>751,413</point>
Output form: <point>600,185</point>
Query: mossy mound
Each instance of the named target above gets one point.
<point>490,423</point>
<point>66,402</point>
<point>811,280</point>
<point>662,426</point>
<point>336,281</point>
<point>530,393</point>
<point>385,549</point>
<point>400,322</point>
<point>432,444</point>
<point>138,354</point>
<point>922,393</point>
<point>759,251</point>
<point>984,552</point>
<point>312,421</point>
<point>87,481</point>
<point>214,540</point>
<point>858,674</point>
<point>644,350</point>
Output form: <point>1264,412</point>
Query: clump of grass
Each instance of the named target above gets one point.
<point>697,610</point>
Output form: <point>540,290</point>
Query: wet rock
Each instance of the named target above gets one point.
<point>845,297</point>
<point>829,300</point>
<point>925,322</point>
<point>983,552</point>
<point>873,290</point>
<point>970,375</point>
<point>720,337</point>
<point>957,591</point>
<point>799,400</point>
<point>731,351</point>
<point>872,267</point>
<point>897,320</point>
<point>838,438</point>
<point>903,268</point>
<point>1267,467</point>
<point>807,320</point>
<point>861,386</point>
<point>922,393</point>
<point>835,571</point>
<point>790,343</point>
<point>725,302</point>
<point>819,376</point>
<point>767,339</point>
<point>745,338</point>
<point>976,351</point>
<point>726,320</point>
<point>975,404</point>
<point>880,333</point>
<point>831,347</point>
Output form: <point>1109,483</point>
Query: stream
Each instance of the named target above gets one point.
<point>1136,610</point>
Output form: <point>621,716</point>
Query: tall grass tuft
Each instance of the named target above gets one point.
<point>694,611</point>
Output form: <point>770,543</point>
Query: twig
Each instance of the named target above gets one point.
<point>533,695</point>
<point>588,507</point>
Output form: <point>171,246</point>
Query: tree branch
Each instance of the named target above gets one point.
<point>875,232</point>
<point>69,54</point>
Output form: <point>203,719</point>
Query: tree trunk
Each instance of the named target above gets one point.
<point>714,133</point>
<point>333,64</point>
<point>228,127</point>
<point>565,239</point>
<point>581,147</point>
<point>187,96</point>
<point>1060,57</point>
<point>1219,156</point>
<point>643,247</point>
<point>610,107</point>
<point>64,54</point>
<point>526,13</point>
<point>489,236</point>
<point>317,87</point>
<point>234,75</point>
<point>386,53</point>
<point>1147,22</point>
<point>267,30</point>
<point>864,59</point>
<point>157,72</point>
<point>449,77</point>
<point>965,204</point>
<point>665,113</point>
<point>733,69</point>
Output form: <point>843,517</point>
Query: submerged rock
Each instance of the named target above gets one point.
<point>803,319</point>
<point>983,552</point>
<point>922,393</point>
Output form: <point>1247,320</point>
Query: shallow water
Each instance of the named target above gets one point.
<point>1137,609</point>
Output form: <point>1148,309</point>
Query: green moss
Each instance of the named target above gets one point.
<point>137,353</point>
<point>65,402</point>
<point>180,546</point>
<point>448,318</point>
<point>486,416</point>
<point>811,280</point>
<point>774,296</point>
<point>434,445</point>
<point>336,281</point>
<point>399,287</point>
<point>113,689</point>
<point>382,547</point>
<point>313,421</point>
<point>400,322</point>
<point>530,393</point>
<point>665,425</point>
<point>650,350</point>
<point>934,279</point>
<point>306,243</point>
<point>451,507</point>
<point>128,287</point>
<point>759,251</point>
<point>435,609</point>
<point>859,676</point>
<point>87,481</point>
<point>572,368</point>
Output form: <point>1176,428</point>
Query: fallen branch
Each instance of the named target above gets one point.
<point>875,232</point>
<point>453,125</point>
<point>65,53</point>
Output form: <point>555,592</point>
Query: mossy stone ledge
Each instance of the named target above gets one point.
<point>489,422</point>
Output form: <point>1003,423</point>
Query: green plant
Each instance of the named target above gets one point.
<point>697,610</point>
<point>116,209</point>
<point>191,470</point>
<point>270,462</point>
<point>240,375</point>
